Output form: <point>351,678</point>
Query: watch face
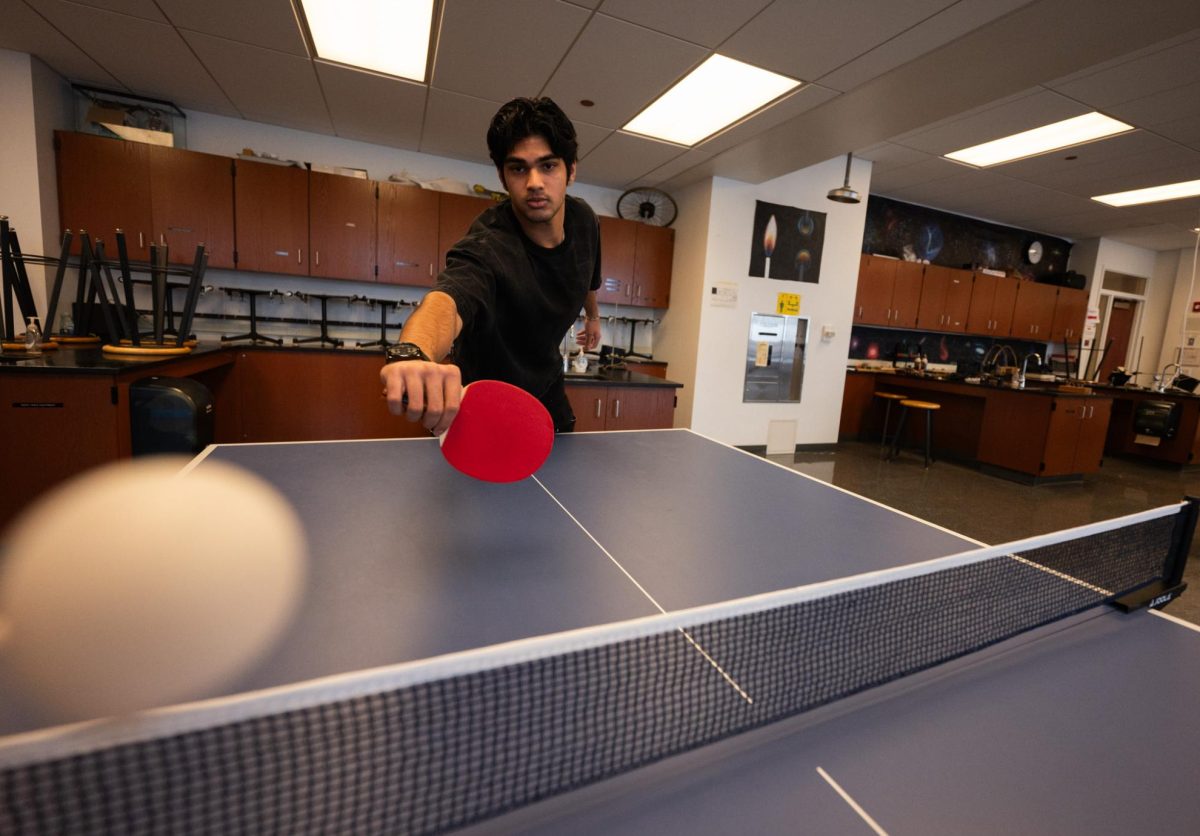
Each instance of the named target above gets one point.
<point>1034,254</point>
<point>404,351</point>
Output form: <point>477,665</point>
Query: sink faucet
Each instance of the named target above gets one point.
<point>1024,366</point>
<point>1162,377</point>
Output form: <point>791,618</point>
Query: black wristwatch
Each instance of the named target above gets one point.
<point>405,351</point>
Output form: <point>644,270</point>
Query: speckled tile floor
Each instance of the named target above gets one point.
<point>996,510</point>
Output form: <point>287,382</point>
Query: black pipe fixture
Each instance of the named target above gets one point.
<point>843,193</point>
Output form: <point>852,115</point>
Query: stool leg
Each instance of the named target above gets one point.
<point>886,414</point>
<point>899,432</point>
<point>928,434</point>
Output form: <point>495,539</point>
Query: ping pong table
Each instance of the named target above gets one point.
<point>1076,722</point>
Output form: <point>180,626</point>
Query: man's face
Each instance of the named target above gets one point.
<point>537,182</point>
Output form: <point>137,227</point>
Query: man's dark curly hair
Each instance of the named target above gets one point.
<point>523,118</point>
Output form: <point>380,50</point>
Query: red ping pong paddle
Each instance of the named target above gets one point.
<point>500,434</point>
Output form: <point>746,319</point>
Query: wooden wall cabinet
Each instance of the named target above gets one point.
<point>1033,313</point>
<point>889,292</point>
<point>653,254</point>
<point>341,226</point>
<point>635,263</point>
<point>1070,312</point>
<point>155,194</point>
<point>945,299</point>
<point>408,235</point>
<point>456,213</point>
<point>191,203</point>
<point>618,242</point>
<point>104,185</point>
<point>622,407</point>
<point>992,302</point>
<point>271,204</point>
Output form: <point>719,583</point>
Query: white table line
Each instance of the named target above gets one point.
<point>708,657</point>
<point>854,805</point>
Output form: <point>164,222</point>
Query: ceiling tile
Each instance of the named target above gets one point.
<point>373,108</point>
<point>266,23</point>
<point>1151,73</point>
<point>145,9</point>
<point>704,22</point>
<point>663,173</point>
<point>622,68</point>
<point>476,54</point>
<point>588,136</point>
<point>27,31</point>
<point>809,40</point>
<point>265,85</point>
<point>1158,108</point>
<point>149,59</point>
<point>623,158</point>
<point>927,35</point>
<point>1155,237</point>
<point>923,171</point>
<point>1156,161</point>
<point>1185,130</point>
<point>887,156</point>
<point>456,126</point>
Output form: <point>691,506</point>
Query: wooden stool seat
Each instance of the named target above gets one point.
<point>888,399</point>
<point>928,407</point>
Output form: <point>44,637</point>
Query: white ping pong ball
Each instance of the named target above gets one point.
<point>137,585</point>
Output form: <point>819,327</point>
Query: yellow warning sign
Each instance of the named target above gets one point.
<point>788,304</point>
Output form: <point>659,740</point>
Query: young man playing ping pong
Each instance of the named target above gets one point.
<point>512,287</point>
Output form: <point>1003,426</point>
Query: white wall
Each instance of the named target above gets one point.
<point>677,339</point>
<point>1184,283</point>
<point>33,102</point>
<point>717,407</point>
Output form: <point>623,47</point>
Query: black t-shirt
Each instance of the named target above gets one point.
<point>517,299</point>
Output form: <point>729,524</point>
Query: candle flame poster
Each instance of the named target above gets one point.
<point>786,243</point>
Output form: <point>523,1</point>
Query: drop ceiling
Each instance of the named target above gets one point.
<point>899,83</point>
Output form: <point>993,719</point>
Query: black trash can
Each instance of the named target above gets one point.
<point>170,415</point>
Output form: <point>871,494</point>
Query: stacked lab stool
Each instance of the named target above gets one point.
<point>888,398</point>
<point>928,407</point>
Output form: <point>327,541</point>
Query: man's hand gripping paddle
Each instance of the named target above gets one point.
<point>500,434</point>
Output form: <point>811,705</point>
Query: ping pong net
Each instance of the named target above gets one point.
<point>437,744</point>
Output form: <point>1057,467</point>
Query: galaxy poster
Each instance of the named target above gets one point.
<point>786,243</point>
<point>918,233</point>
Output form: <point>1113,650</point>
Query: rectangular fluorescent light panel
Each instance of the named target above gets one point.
<point>386,36</point>
<point>716,94</point>
<point>1154,194</point>
<point>1064,134</point>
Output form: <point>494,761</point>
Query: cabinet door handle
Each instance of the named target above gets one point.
<point>860,311</point>
<point>617,408</point>
<point>317,256</point>
<point>300,255</point>
<point>889,314</point>
<point>141,241</point>
<point>597,407</point>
